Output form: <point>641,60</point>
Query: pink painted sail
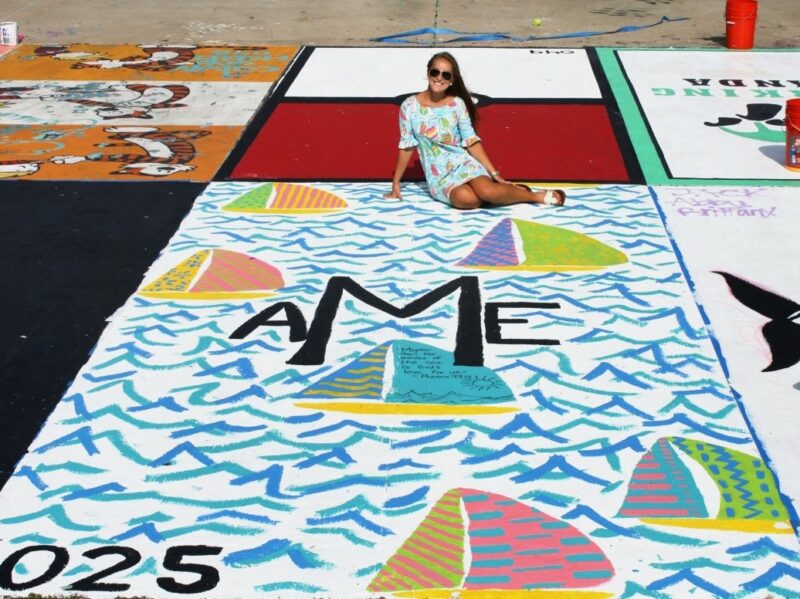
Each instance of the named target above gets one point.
<point>516,546</point>
<point>513,547</point>
<point>231,271</point>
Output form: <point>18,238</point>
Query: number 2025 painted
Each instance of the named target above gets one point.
<point>206,577</point>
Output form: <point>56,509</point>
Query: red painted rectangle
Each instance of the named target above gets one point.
<point>358,140</point>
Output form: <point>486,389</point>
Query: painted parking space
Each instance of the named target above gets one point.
<point>316,391</point>
<point>545,115</point>
<point>144,113</point>
<point>707,116</point>
<point>92,62</point>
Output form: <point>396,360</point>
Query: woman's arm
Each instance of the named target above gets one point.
<point>477,152</point>
<point>403,158</point>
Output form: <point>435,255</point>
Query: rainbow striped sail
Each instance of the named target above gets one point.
<point>286,198</point>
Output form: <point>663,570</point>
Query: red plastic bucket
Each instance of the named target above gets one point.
<point>793,134</point>
<point>740,23</point>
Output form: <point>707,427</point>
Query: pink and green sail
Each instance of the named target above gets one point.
<point>662,486</point>
<point>512,546</point>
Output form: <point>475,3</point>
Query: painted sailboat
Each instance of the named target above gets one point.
<point>286,198</point>
<point>407,377</point>
<point>663,490</point>
<point>216,274</point>
<point>515,244</point>
<point>474,544</point>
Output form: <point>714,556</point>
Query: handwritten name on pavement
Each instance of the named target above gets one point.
<point>719,203</point>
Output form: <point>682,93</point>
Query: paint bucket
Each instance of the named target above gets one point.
<point>8,33</point>
<point>793,134</point>
<point>740,21</point>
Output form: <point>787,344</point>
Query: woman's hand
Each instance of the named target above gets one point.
<point>395,193</point>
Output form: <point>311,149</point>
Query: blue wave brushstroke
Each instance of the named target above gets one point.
<point>409,499</point>
<point>761,548</point>
<point>555,464</point>
<point>271,550</point>
<point>690,577</point>
<point>354,517</point>
<point>337,453</point>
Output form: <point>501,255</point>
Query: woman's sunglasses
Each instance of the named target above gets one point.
<point>446,75</point>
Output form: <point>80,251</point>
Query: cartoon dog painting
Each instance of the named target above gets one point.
<point>147,99</point>
<point>18,168</point>
<point>156,58</point>
<point>165,152</point>
<point>115,101</point>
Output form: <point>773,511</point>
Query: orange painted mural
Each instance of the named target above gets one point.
<point>61,152</point>
<point>89,62</point>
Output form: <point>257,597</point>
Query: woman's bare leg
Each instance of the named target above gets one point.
<point>464,198</point>
<point>504,194</point>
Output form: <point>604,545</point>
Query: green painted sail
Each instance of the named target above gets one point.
<point>747,487</point>
<point>433,556</point>
<point>546,246</point>
<point>543,248</point>
<point>255,199</point>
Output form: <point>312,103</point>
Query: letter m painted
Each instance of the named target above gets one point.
<point>469,335</point>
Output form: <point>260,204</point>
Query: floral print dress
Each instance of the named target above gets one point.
<point>442,135</point>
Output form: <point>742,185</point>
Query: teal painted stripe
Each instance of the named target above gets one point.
<point>585,557</point>
<point>574,541</point>
<point>492,563</point>
<point>505,502</point>
<point>539,535</point>
<point>491,549</point>
<point>556,524</point>
<point>538,568</point>
<point>592,574</point>
<point>539,551</point>
<point>495,515</point>
<point>290,586</point>
<point>662,492</point>
<point>474,498</point>
<point>369,570</point>
<point>543,585</point>
<point>487,532</point>
<point>653,506</point>
<point>526,520</point>
<point>487,579</point>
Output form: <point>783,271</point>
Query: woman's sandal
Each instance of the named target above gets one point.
<point>551,199</point>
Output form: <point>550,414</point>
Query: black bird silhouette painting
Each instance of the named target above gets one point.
<point>782,332</point>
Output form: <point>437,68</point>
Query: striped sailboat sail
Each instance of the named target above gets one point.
<point>286,198</point>
<point>663,490</point>
<point>363,377</point>
<point>662,486</point>
<point>513,550</point>
<point>408,377</point>
<point>515,244</point>
<point>216,274</point>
